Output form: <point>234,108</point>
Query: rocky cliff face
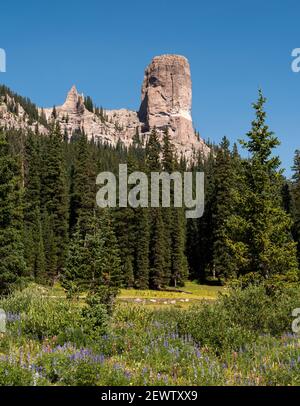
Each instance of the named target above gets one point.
<point>166,103</point>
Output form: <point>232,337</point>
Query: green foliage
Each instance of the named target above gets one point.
<point>40,315</point>
<point>12,374</point>
<point>54,201</point>
<point>83,191</point>
<point>12,264</point>
<point>88,102</point>
<point>34,242</point>
<point>296,200</point>
<point>93,259</point>
<point>262,240</point>
<point>95,317</point>
<point>241,339</point>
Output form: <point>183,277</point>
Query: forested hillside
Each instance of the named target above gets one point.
<point>52,230</point>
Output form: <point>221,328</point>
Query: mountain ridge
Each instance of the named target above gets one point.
<point>166,100</point>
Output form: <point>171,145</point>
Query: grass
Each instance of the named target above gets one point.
<point>192,292</point>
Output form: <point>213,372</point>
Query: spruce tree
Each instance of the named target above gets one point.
<point>54,199</point>
<point>34,243</point>
<point>93,260</point>
<point>142,237</point>
<point>296,201</point>
<point>83,185</point>
<point>12,264</point>
<point>267,247</point>
<point>175,224</point>
<point>222,207</point>
<point>157,251</point>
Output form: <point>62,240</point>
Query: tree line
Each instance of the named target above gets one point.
<point>51,228</point>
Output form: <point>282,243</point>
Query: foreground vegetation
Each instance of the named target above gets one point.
<point>242,338</point>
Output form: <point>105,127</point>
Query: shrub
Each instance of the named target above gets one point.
<point>238,318</point>
<point>12,374</point>
<point>258,310</point>
<point>40,315</point>
<point>95,317</point>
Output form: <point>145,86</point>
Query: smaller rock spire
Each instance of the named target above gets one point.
<point>73,100</point>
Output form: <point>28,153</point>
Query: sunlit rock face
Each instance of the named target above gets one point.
<point>167,102</point>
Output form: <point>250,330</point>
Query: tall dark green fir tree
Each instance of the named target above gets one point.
<point>12,264</point>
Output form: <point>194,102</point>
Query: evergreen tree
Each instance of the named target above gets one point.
<point>12,264</point>
<point>83,185</point>
<point>157,251</point>
<point>93,260</point>
<point>109,262</point>
<point>296,201</point>
<point>55,200</point>
<point>179,270</point>
<point>153,152</point>
<point>222,207</point>
<point>267,248</point>
<point>175,224</point>
<point>204,253</point>
<point>34,244</point>
<point>142,248</point>
<point>76,272</point>
<point>89,105</point>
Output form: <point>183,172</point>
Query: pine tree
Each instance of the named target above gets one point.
<point>34,244</point>
<point>204,253</point>
<point>93,260</point>
<point>125,230</point>
<point>109,262</point>
<point>83,185</point>
<point>179,270</point>
<point>136,138</point>
<point>55,200</point>
<point>175,225</point>
<point>89,105</point>
<point>142,236</point>
<point>153,152</point>
<point>76,273</point>
<point>222,208</point>
<point>12,264</point>
<point>157,251</point>
<point>267,245</point>
<point>296,201</point>
<point>54,113</point>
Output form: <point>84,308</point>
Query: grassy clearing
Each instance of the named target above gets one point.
<point>192,291</point>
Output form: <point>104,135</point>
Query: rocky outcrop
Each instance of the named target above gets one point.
<point>13,115</point>
<point>166,103</point>
<point>167,93</point>
<point>110,127</point>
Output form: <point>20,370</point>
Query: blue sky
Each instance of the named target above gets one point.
<point>233,47</point>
